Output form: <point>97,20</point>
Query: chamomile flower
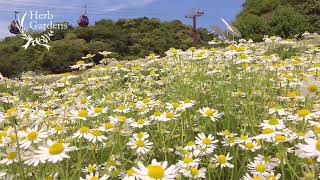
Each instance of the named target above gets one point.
<point>195,173</point>
<point>82,132</point>
<point>97,110</point>
<point>55,151</point>
<point>142,146</point>
<point>311,148</point>
<point>80,114</point>
<point>129,175</point>
<point>259,168</point>
<point>274,123</point>
<point>32,136</point>
<point>140,123</point>
<point>206,143</point>
<point>250,145</point>
<point>222,160</point>
<point>167,116</point>
<point>226,134</point>
<point>81,65</point>
<point>95,135</point>
<point>95,176</point>
<point>141,135</point>
<point>90,168</point>
<point>9,157</point>
<point>188,161</point>
<point>155,171</point>
<point>213,114</point>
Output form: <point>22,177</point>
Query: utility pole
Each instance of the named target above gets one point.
<point>194,15</point>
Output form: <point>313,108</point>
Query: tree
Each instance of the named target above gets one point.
<point>252,26</point>
<point>287,22</point>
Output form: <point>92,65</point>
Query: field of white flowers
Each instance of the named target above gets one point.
<point>240,112</point>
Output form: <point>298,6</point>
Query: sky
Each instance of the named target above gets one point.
<point>166,10</point>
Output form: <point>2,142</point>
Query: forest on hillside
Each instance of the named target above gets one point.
<point>285,18</point>
<point>128,38</point>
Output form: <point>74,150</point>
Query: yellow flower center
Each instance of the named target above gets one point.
<point>94,178</point>
<point>303,112</point>
<point>273,121</point>
<point>11,111</point>
<point>318,145</point>
<point>80,62</point>
<point>91,168</point>
<point>84,129</point>
<point>121,107</point>
<point>280,138</point>
<point>122,118</point>
<point>140,121</point>
<point>249,145</point>
<point>187,160</point>
<point>186,100</point>
<point>157,113</point>
<point>226,133</point>
<point>146,100</point>
<point>244,137</point>
<point>191,143</point>
<point>58,128</point>
<point>222,159</point>
<point>140,143</point>
<point>313,88</point>
<point>32,136</point>
<point>309,175</point>
<point>108,125</point>
<point>97,109</point>
<point>140,135</point>
<point>194,171</point>
<point>130,172</point>
<point>56,148</point>
<point>256,178</point>
<point>316,129</point>
<point>176,104</point>
<point>209,112</point>
<point>83,113</point>
<point>83,100</point>
<point>267,131</point>
<point>231,140</point>
<point>49,111</point>
<point>155,171</point>
<point>206,141</point>
<point>96,133</point>
<point>169,115</point>
<point>11,155</point>
<point>260,168</point>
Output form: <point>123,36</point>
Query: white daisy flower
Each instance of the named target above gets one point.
<point>95,135</point>
<point>222,160</point>
<point>213,114</point>
<point>194,173</point>
<point>82,132</point>
<point>155,171</point>
<point>142,146</point>
<point>32,136</point>
<point>207,144</point>
<point>10,156</point>
<point>95,176</point>
<point>55,151</point>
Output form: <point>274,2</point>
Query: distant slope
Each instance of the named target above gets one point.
<point>127,38</point>
<point>278,17</point>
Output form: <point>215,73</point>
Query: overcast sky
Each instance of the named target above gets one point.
<point>69,10</point>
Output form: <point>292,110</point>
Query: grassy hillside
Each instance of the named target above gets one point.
<point>284,18</point>
<point>127,38</point>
